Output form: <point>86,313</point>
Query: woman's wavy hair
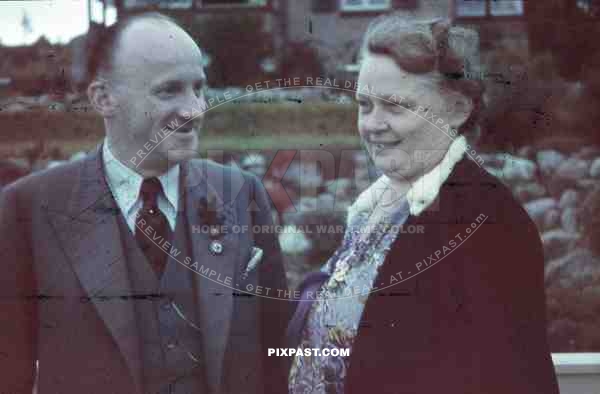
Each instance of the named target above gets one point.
<point>421,46</point>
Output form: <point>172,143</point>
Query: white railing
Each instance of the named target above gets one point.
<point>577,373</point>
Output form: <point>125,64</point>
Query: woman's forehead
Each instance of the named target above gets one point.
<point>382,73</point>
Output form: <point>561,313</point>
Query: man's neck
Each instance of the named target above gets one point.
<point>145,168</point>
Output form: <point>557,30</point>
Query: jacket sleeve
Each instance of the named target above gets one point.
<point>276,311</point>
<point>504,284</point>
<point>17,298</point>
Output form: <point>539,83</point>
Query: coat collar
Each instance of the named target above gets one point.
<point>422,192</point>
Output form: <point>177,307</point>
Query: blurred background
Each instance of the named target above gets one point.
<point>540,134</point>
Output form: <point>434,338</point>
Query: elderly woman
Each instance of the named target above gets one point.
<point>438,286</point>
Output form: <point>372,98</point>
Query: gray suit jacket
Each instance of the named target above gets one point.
<point>64,285</point>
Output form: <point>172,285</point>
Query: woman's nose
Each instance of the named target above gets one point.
<point>375,126</point>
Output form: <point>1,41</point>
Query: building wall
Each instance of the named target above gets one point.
<point>337,34</point>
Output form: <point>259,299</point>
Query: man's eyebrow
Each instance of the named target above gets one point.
<point>202,81</point>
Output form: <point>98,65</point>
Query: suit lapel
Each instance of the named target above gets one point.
<point>215,300</point>
<point>90,238</point>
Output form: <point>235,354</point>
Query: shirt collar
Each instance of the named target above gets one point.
<point>422,192</point>
<point>125,183</point>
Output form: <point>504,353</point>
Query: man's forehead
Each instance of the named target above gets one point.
<point>150,43</point>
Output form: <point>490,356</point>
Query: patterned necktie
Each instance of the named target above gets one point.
<point>152,228</point>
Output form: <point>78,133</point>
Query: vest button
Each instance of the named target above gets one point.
<point>171,346</point>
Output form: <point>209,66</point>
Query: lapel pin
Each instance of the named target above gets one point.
<point>215,247</point>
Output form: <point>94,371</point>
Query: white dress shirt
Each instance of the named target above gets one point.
<point>125,184</point>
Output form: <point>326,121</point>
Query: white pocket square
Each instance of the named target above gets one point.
<point>256,256</point>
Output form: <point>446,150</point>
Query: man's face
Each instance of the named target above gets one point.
<point>158,82</point>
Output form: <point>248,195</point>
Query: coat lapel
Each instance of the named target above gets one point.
<point>215,300</point>
<point>90,238</point>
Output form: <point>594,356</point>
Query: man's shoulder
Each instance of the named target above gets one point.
<point>49,180</point>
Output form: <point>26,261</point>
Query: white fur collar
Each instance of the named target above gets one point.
<point>422,192</point>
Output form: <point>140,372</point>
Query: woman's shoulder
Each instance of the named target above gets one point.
<point>470,189</point>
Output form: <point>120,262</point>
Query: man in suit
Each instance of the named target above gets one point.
<point>109,284</point>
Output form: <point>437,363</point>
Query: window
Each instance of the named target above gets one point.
<point>187,4</point>
<point>231,3</point>
<point>482,8</point>
<point>160,3</point>
<point>365,5</point>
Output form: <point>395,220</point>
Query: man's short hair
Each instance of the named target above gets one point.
<point>104,42</point>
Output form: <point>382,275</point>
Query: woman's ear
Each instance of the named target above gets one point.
<point>102,98</point>
<point>458,108</point>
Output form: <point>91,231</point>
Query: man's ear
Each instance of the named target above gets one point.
<point>102,98</point>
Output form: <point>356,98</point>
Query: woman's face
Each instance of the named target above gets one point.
<point>401,116</point>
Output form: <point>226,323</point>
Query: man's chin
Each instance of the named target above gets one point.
<point>181,155</point>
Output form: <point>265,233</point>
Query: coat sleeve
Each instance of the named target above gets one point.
<point>504,285</point>
<point>275,312</point>
<point>17,300</point>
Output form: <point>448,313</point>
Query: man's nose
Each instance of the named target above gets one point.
<point>192,103</point>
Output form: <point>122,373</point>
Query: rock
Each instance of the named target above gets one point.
<point>255,163</point>
<point>538,208</point>
<point>588,153</point>
<point>527,152</point>
<point>282,197</point>
<point>586,184</point>
<point>497,172</point>
<point>306,176</point>
<point>569,198</point>
<point>589,218</point>
<point>493,159</point>
<point>549,160</point>
<point>557,243</point>
<point>54,163</point>
<point>529,191</point>
<point>568,220</point>
<point>550,220</point>
<point>575,268</point>
<point>573,169</point>
<point>78,156</point>
<point>11,170</point>
<point>341,188</point>
<point>293,241</point>
<point>517,169</point>
<point>562,334</point>
<point>557,185</point>
<point>595,169</point>
<point>14,107</point>
<point>326,201</point>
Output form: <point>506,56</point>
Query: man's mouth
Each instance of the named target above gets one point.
<point>185,129</point>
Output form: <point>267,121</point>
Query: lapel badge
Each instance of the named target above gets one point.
<point>215,247</point>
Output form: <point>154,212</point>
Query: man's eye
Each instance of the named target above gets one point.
<point>168,90</point>
<point>363,104</point>
<point>200,90</point>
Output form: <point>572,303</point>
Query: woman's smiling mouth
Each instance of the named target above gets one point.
<point>387,145</point>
